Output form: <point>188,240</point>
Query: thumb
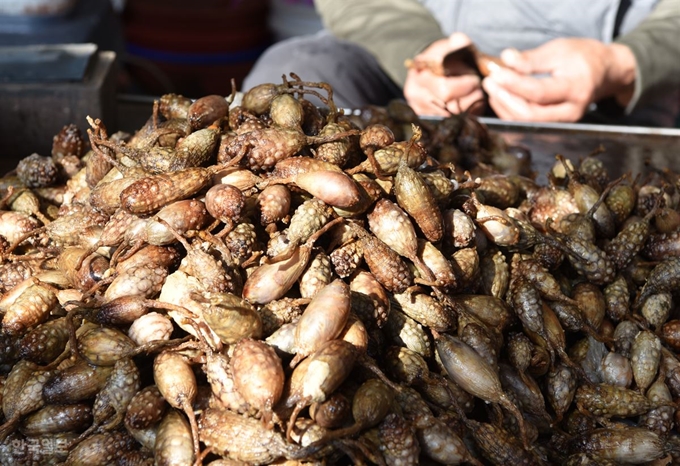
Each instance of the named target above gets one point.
<point>436,50</point>
<point>458,40</point>
<point>533,61</point>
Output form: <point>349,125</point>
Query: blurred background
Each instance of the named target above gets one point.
<point>197,48</point>
<point>142,49</point>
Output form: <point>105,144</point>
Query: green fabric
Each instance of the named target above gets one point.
<point>655,42</point>
<point>392,30</point>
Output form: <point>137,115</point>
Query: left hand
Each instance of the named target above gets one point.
<point>579,72</point>
<point>430,93</point>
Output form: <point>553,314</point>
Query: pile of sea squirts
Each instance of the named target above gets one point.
<point>257,279</point>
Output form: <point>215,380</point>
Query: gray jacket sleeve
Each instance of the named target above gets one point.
<point>392,30</point>
<point>655,42</point>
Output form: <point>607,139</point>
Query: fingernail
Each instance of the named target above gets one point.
<point>458,40</point>
<point>493,67</point>
<point>510,56</point>
<point>490,85</point>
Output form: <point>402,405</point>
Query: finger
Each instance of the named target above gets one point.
<point>450,88</point>
<point>514,106</point>
<point>428,92</point>
<point>543,91</point>
<point>500,109</point>
<point>458,40</point>
<point>441,88</point>
<point>542,59</point>
<point>468,103</point>
<point>436,51</point>
<point>511,107</point>
<point>440,48</point>
<point>423,102</point>
<point>429,108</point>
<point>513,59</point>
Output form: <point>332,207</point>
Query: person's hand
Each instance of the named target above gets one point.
<point>577,72</point>
<point>430,93</point>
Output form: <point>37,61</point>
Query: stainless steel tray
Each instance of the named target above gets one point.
<point>634,149</point>
<point>627,148</point>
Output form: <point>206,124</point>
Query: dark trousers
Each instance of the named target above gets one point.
<point>354,74</point>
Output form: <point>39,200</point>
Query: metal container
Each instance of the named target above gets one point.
<point>632,149</point>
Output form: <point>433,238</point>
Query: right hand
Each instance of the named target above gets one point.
<point>578,71</point>
<point>429,93</point>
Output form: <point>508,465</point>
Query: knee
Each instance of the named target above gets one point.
<point>310,57</point>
